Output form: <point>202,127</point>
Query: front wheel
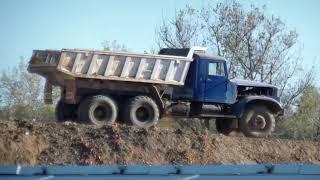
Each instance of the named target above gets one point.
<point>257,121</point>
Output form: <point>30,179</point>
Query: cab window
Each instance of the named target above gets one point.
<point>216,69</point>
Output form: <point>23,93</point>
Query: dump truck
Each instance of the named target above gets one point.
<point>102,87</point>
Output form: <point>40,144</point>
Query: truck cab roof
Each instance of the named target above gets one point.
<point>208,57</point>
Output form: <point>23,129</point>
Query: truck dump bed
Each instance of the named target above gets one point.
<point>58,65</point>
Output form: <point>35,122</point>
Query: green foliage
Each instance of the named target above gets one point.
<point>305,121</point>
<point>46,113</point>
<point>22,97</point>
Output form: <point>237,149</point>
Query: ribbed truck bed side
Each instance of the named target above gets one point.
<point>121,66</point>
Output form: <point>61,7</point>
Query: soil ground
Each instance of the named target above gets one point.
<point>27,142</point>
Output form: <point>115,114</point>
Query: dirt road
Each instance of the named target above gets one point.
<point>24,142</point>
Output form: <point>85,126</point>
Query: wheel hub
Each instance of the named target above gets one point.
<point>101,113</point>
<point>143,114</point>
<point>258,122</point>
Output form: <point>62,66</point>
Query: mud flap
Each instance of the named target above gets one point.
<point>235,123</point>
<point>48,93</point>
<point>70,91</point>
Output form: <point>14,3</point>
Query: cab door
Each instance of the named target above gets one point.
<point>216,82</point>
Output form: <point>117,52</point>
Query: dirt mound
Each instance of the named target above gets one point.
<point>18,145</point>
<point>51,143</point>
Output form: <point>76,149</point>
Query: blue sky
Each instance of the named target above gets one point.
<point>54,24</point>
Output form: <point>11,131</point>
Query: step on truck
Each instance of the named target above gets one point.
<point>102,87</point>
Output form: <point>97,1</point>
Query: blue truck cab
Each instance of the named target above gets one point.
<point>236,105</point>
<point>210,80</point>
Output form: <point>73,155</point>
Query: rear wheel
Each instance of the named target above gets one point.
<point>257,121</point>
<point>99,110</point>
<point>142,111</point>
<point>64,112</point>
<point>224,126</point>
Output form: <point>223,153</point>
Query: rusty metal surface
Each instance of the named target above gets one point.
<point>48,93</point>
<point>70,91</point>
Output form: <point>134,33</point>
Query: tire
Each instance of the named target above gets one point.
<point>99,110</point>
<point>223,126</point>
<point>64,112</point>
<point>257,121</point>
<point>142,111</point>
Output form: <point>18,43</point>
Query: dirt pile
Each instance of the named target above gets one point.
<point>51,143</point>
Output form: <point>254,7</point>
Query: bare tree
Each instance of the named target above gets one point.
<point>180,32</point>
<point>22,95</point>
<point>113,46</point>
<point>257,47</point>
<point>18,87</point>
